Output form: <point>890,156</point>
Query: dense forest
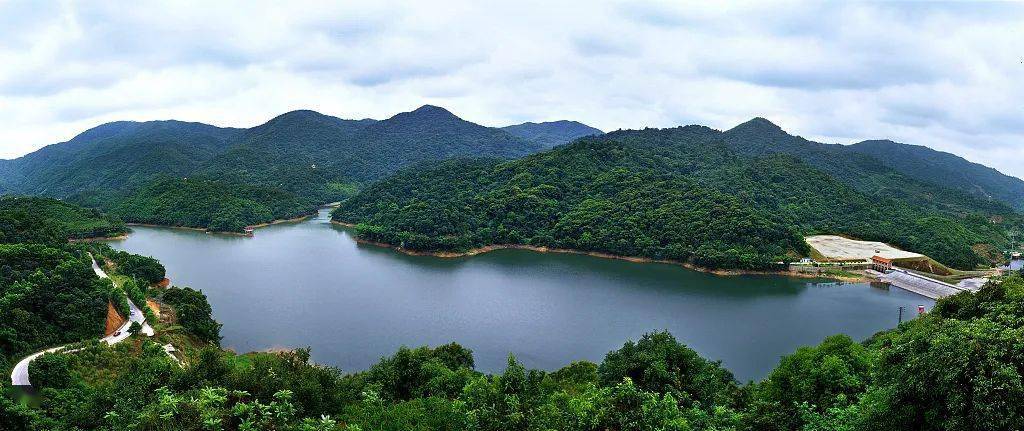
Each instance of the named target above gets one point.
<point>302,159</point>
<point>912,173</point>
<point>49,294</point>
<point>957,368</point>
<point>49,221</point>
<point>682,194</point>
<point>217,205</point>
<point>146,172</point>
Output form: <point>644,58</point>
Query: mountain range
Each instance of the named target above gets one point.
<point>199,175</point>
<point>740,198</point>
<point>883,167</point>
<point>194,174</point>
<point>123,155</point>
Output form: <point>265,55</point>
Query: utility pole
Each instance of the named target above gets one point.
<point>901,314</point>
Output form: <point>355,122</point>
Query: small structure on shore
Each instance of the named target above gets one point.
<point>881,264</point>
<point>248,230</point>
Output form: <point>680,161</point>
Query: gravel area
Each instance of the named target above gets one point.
<point>837,247</point>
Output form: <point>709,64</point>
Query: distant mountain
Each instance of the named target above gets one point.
<point>119,156</point>
<point>6,175</point>
<point>736,199</point>
<point>431,133</point>
<point>946,169</point>
<point>299,159</point>
<point>898,170</point>
<point>309,153</point>
<point>552,133</point>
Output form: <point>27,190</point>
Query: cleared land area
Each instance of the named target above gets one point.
<point>834,247</point>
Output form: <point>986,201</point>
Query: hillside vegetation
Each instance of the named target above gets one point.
<point>914,174</point>
<point>49,221</point>
<point>943,168</point>
<point>682,194</point>
<point>214,204</point>
<point>956,368</point>
<point>301,159</point>
<point>283,168</point>
<point>552,133</point>
<point>49,294</point>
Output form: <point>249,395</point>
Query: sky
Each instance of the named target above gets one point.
<point>944,75</point>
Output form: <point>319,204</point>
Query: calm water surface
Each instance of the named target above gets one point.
<point>311,284</point>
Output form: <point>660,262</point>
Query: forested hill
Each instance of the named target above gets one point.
<point>552,133</point>
<point>939,167</point>
<point>49,221</point>
<point>680,194</point>
<point>358,151</point>
<point>297,160</point>
<point>49,294</point>
<point>118,156</point>
<point>870,166</point>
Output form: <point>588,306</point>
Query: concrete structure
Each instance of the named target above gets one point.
<point>973,284</point>
<point>919,284</point>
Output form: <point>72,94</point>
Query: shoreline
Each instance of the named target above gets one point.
<point>166,226</point>
<point>634,259</point>
<point>206,230</point>
<point>120,237</point>
<point>199,229</point>
<point>277,221</point>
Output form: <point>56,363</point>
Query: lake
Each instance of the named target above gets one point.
<point>310,284</point>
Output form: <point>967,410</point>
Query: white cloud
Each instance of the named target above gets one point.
<point>942,75</point>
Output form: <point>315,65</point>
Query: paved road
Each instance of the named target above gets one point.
<point>19,376</point>
<point>135,316</point>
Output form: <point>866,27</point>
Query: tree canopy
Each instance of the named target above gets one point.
<point>678,194</point>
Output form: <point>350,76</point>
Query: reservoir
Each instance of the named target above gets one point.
<point>310,284</point>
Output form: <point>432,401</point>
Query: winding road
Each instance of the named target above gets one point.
<point>19,376</point>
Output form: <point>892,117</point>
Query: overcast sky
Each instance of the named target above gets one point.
<point>943,75</point>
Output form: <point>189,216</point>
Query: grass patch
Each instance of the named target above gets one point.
<point>839,273</point>
<point>342,190</point>
<point>118,279</point>
<point>925,265</point>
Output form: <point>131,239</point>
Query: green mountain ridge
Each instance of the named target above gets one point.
<point>49,221</point>
<point>689,194</point>
<point>303,158</point>
<point>870,166</point>
<point>552,133</point>
<point>948,169</point>
<point>280,169</point>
